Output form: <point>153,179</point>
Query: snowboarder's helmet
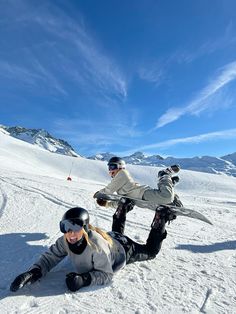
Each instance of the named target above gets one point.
<point>116,163</point>
<point>75,219</point>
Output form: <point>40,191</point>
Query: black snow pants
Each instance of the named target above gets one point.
<point>134,250</point>
<point>141,252</point>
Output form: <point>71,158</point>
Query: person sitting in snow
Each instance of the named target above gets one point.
<point>96,255</point>
<point>123,184</point>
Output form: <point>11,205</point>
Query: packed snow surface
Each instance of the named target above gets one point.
<point>195,271</point>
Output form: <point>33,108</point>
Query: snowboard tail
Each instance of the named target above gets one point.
<point>178,211</point>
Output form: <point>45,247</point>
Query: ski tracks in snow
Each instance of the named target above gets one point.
<point>182,280</point>
<point>203,308</point>
<point>3,201</point>
<point>48,196</point>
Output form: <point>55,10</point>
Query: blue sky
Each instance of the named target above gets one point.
<point>122,76</point>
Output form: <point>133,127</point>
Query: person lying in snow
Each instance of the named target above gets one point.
<point>96,255</point>
<point>123,184</point>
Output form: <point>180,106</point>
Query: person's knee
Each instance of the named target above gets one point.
<point>167,194</point>
<point>153,255</point>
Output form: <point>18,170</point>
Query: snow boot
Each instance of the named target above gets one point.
<point>175,180</point>
<point>169,171</point>
<point>163,215</point>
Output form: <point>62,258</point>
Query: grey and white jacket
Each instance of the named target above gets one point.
<point>123,184</point>
<point>101,260</point>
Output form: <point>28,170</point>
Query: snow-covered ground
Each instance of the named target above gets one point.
<point>195,272</point>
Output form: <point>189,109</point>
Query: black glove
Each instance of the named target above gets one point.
<point>101,202</point>
<point>75,281</point>
<point>28,277</point>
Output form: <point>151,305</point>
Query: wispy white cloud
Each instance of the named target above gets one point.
<point>34,77</point>
<point>158,71</point>
<point>96,134</point>
<point>208,47</point>
<point>207,137</point>
<point>154,71</point>
<point>72,54</point>
<point>204,100</point>
<point>89,63</point>
<point>16,72</point>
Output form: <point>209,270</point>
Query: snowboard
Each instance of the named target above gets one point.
<point>178,211</point>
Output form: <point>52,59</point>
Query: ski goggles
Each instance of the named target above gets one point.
<point>69,225</point>
<point>112,167</point>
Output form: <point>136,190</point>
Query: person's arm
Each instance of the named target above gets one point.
<point>103,272</point>
<point>101,275</point>
<point>52,257</point>
<point>46,262</point>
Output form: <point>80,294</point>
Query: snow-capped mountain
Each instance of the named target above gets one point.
<point>225,164</point>
<point>230,157</point>
<point>137,158</point>
<point>42,139</point>
<point>102,156</point>
<point>39,137</point>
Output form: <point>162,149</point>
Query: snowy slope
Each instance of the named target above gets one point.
<point>193,273</point>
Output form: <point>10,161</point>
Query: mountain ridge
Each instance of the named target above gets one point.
<point>219,165</point>
<point>209,164</point>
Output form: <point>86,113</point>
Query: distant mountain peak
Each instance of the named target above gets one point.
<point>41,138</point>
<point>102,156</point>
<point>225,164</point>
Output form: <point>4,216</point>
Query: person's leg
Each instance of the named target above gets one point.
<point>163,195</point>
<point>141,252</point>
<point>119,217</point>
<point>177,202</point>
<point>165,192</point>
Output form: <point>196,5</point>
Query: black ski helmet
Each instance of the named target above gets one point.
<point>117,161</point>
<point>76,215</point>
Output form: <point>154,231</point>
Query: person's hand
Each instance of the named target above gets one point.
<point>101,202</point>
<point>76,281</point>
<point>26,278</point>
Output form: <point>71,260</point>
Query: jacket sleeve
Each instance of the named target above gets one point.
<point>52,257</point>
<point>103,272</point>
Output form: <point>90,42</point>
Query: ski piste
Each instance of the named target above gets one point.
<point>178,211</point>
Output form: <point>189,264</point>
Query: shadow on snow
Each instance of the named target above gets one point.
<point>220,246</point>
<point>18,255</point>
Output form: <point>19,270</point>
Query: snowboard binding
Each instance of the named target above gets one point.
<point>163,215</point>
<point>169,171</point>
